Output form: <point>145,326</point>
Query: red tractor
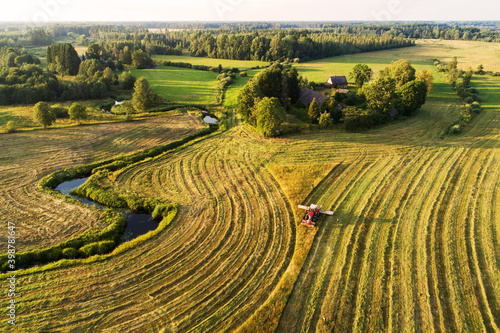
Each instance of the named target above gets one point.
<point>312,214</point>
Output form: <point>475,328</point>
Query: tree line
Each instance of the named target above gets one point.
<point>287,45</point>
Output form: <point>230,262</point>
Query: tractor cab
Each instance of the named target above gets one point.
<point>312,214</point>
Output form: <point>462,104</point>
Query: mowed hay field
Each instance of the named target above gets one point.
<point>209,271</point>
<point>469,54</point>
<point>181,85</point>
<point>413,244</point>
<point>26,157</point>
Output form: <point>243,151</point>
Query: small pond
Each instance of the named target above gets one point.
<point>209,118</point>
<point>137,223</point>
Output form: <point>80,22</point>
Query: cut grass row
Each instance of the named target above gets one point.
<point>27,157</point>
<point>420,246</point>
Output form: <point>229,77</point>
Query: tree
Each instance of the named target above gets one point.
<point>249,96</point>
<point>426,77</point>
<point>127,107</point>
<point>361,74</point>
<point>325,120</point>
<point>453,64</point>
<point>293,85</point>
<point>412,96</point>
<point>480,70</point>
<point>77,111</point>
<point>402,71</point>
<point>109,77</point>
<point>313,111</point>
<point>141,60</point>
<point>89,67</point>
<point>141,98</point>
<point>42,114</point>
<point>331,106</point>
<point>270,115</point>
<point>381,94</point>
<point>271,81</point>
<point>126,80</point>
<point>126,56</point>
<point>63,59</point>
<point>94,52</point>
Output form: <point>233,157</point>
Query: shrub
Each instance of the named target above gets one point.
<point>11,126</point>
<point>355,119</point>
<point>455,129</point>
<point>60,112</point>
<point>70,253</point>
<point>325,120</point>
<point>97,248</point>
<point>159,211</point>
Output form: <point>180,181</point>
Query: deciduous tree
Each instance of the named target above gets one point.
<point>270,115</point>
<point>402,71</point>
<point>42,114</point>
<point>381,94</point>
<point>140,98</point>
<point>412,96</point>
<point>361,74</point>
<point>426,77</point>
<point>77,111</point>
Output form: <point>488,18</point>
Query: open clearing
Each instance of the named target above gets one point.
<point>413,244</point>
<point>181,84</point>
<point>241,64</point>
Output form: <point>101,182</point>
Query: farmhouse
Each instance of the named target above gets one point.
<point>337,82</point>
<point>306,96</point>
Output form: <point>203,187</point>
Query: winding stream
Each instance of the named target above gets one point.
<point>137,223</point>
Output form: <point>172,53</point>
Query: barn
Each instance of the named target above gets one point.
<point>337,82</point>
<point>306,96</point>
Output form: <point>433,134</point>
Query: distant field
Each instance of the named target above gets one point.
<point>469,54</point>
<point>181,84</point>
<point>231,99</point>
<point>320,70</point>
<point>241,64</point>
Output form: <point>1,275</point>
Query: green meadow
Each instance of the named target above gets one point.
<point>181,85</point>
<point>241,64</point>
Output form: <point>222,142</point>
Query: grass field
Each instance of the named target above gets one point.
<point>181,84</point>
<point>232,92</point>
<point>470,54</point>
<point>241,64</point>
<point>23,115</point>
<point>413,244</point>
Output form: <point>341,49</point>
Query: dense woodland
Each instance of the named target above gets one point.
<point>289,45</point>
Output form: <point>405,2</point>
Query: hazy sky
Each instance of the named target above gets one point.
<point>247,10</point>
